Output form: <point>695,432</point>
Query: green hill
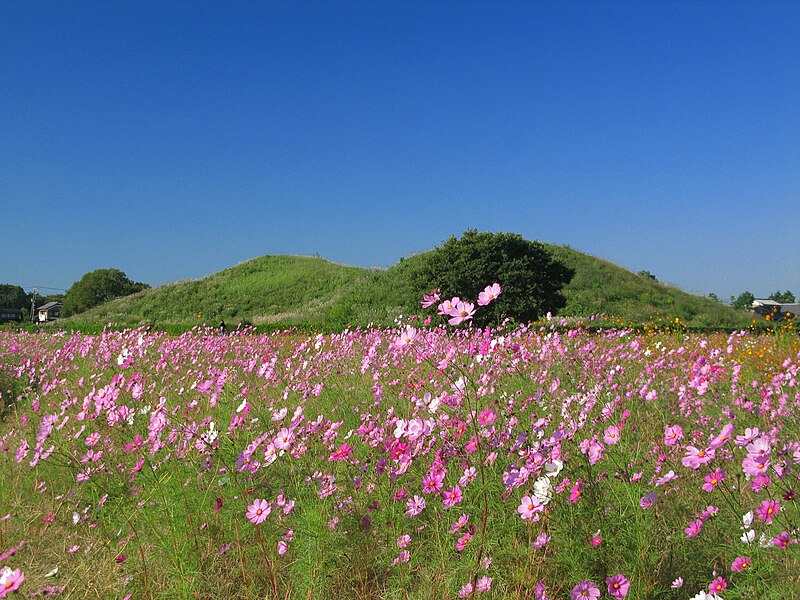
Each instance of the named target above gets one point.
<point>299,290</point>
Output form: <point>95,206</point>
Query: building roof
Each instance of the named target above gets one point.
<point>50,305</point>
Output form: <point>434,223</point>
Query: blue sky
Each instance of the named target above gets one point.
<point>175,139</point>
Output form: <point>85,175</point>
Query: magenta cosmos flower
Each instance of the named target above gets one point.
<point>585,589</point>
<point>740,563</point>
<point>258,511</point>
<point>768,509</point>
<point>618,586</point>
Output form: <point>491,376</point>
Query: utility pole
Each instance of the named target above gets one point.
<point>33,305</point>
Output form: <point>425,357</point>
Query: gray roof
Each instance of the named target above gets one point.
<point>50,305</point>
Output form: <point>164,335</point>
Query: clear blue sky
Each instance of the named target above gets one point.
<point>175,139</point>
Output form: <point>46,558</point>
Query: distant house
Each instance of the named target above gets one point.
<point>10,314</point>
<point>776,311</point>
<point>49,311</point>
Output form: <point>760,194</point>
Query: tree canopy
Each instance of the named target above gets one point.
<point>530,278</point>
<point>13,296</point>
<point>97,287</point>
<point>743,301</point>
<point>786,297</point>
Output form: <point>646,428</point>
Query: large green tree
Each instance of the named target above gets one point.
<point>743,301</point>
<point>13,296</point>
<point>531,279</point>
<point>786,297</point>
<point>97,287</point>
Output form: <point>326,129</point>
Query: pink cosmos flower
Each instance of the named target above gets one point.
<point>432,483</point>
<point>585,589</point>
<point>740,563</point>
<point>595,452</point>
<point>258,511</point>
<point>491,292</point>
<point>448,305</point>
<point>452,496</point>
<point>749,436</point>
<point>694,528</point>
<point>755,465</point>
<point>406,337</point>
<point>759,447</point>
<point>429,300</point>
<point>696,457</point>
<point>10,580</point>
<point>283,440</point>
<point>529,507</point>
<point>618,586</point>
<point>415,506</point>
<point>782,540</point>
<point>611,435</point>
<point>722,437</point>
<point>767,509</point>
<point>648,501</point>
<point>540,592</point>
<point>403,541</point>
<point>463,541</point>
<point>541,540</point>
<point>713,479</point>
<point>460,523</point>
<point>576,491</point>
<point>487,417</point>
<point>465,591</point>
<point>463,311</point>
<point>672,434</point>
<point>718,585</point>
<point>484,584</point>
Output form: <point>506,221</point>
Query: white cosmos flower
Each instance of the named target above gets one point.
<point>553,468</point>
<point>747,519</point>
<point>748,537</point>
<point>543,489</point>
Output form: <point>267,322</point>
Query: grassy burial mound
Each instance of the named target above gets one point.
<point>305,291</point>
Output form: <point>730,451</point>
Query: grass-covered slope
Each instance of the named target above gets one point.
<point>297,290</point>
<point>603,287</point>
<point>264,289</point>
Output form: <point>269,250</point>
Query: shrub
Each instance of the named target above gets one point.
<point>530,277</point>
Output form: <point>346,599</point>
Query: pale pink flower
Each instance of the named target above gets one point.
<point>611,435</point>
<point>484,584</point>
<point>585,590</point>
<point>529,507</point>
<point>429,300</point>
<point>696,457</point>
<point>491,292</point>
<point>10,580</point>
<point>672,435</point>
<point>448,305</point>
<point>463,311</point>
<point>415,506</point>
<point>258,511</point>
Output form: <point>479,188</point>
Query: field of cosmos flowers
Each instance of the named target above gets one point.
<point>431,460</point>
